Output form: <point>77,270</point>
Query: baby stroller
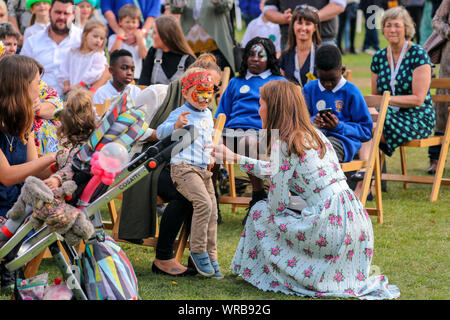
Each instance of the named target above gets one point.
<point>79,275</point>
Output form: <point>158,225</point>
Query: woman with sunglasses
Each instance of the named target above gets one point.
<point>240,103</point>
<point>297,61</point>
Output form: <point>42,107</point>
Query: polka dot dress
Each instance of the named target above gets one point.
<point>404,124</point>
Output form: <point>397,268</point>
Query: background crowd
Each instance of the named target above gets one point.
<point>108,46</point>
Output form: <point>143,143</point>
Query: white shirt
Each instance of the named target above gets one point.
<point>50,54</point>
<point>108,91</point>
<point>263,74</point>
<point>257,28</point>
<point>35,28</point>
<point>340,84</point>
<point>77,67</point>
<point>134,51</point>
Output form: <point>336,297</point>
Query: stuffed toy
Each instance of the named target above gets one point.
<point>50,208</point>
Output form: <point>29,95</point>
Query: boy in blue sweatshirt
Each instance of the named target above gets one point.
<point>189,168</point>
<point>337,106</point>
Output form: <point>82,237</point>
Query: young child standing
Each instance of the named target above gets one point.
<point>337,106</point>
<point>261,27</point>
<point>78,121</point>
<point>121,67</point>
<point>40,16</point>
<point>85,65</point>
<point>84,10</point>
<point>240,103</point>
<point>129,19</point>
<point>189,168</point>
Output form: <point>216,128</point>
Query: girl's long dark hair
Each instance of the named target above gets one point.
<point>16,105</point>
<point>272,61</point>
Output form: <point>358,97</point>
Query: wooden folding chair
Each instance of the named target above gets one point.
<point>181,243</point>
<point>372,165</point>
<point>437,180</point>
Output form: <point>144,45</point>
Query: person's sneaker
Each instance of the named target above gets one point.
<point>202,264</point>
<point>370,51</point>
<point>217,274</point>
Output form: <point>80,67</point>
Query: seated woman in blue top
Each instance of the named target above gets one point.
<point>240,103</point>
<point>19,87</point>
<point>297,61</point>
<point>337,106</point>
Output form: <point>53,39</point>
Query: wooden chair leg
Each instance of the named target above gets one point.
<point>232,184</point>
<point>378,194</point>
<point>115,230</point>
<point>113,214</point>
<point>32,267</point>
<point>182,242</point>
<point>404,167</point>
<point>440,165</point>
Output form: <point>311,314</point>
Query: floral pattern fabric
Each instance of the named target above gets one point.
<point>45,130</point>
<point>326,250</point>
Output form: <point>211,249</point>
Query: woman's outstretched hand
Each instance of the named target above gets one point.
<point>222,153</point>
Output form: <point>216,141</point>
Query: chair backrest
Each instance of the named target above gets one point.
<point>440,83</point>
<point>219,123</point>
<point>101,108</point>
<point>376,137</point>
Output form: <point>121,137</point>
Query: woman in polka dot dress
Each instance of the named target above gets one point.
<point>410,114</point>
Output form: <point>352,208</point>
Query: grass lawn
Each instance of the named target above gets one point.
<point>411,247</point>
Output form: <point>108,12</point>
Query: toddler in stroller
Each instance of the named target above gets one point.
<point>124,124</point>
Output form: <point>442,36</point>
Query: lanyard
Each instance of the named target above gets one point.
<point>311,65</point>
<point>394,72</point>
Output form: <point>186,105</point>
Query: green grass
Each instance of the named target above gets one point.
<point>411,246</point>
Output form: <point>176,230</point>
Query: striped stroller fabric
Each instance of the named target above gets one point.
<point>107,272</point>
<point>123,123</point>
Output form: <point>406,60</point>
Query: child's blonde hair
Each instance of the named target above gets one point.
<point>90,26</point>
<point>78,119</point>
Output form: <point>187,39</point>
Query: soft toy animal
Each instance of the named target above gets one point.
<point>50,208</point>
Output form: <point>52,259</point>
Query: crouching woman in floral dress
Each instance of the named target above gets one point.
<point>327,248</point>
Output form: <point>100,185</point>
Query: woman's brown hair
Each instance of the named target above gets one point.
<point>287,113</point>
<point>77,119</point>
<point>307,14</point>
<point>16,105</point>
<point>172,36</point>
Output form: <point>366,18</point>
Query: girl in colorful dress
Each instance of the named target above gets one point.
<point>327,248</point>
<point>84,66</point>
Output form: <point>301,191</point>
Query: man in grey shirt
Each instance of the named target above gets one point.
<point>280,12</point>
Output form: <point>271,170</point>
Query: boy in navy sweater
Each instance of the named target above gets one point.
<point>337,106</point>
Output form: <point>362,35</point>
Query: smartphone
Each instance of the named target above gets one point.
<point>325,110</point>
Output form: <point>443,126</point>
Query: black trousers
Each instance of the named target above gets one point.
<point>177,211</point>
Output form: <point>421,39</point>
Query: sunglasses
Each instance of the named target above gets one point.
<point>305,7</point>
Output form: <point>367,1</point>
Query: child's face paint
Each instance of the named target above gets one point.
<point>257,60</point>
<point>202,95</point>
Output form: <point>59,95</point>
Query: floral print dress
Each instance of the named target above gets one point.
<point>326,250</point>
<point>45,130</point>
